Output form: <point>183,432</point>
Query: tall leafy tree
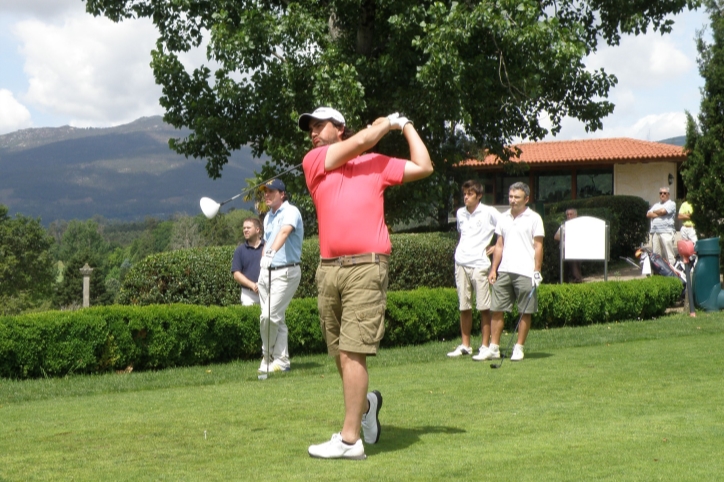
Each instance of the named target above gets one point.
<point>82,236</point>
<point>26,263</point>
<point>703,168</point>
<point>185,233</point>
<point>471,74</point>
<point>156,238</point>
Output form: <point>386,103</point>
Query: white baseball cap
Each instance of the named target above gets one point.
<point>321,113</point>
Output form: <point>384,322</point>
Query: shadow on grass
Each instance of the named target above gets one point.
<point>538,355</point>
<point>306,365</point>
<point>399,438</point>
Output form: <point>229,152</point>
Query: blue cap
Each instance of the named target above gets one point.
<point>276,184</point>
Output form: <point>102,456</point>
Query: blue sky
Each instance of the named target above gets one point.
<point>60,66</point>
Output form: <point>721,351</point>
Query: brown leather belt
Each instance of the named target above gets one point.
<point>355,259</point>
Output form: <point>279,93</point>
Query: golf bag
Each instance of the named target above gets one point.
<point>662,267</point>
<point>659,266</point>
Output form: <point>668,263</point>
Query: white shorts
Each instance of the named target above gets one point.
<point>688,233</point>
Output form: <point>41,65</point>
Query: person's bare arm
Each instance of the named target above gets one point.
<point>339,153</point>
<point>497,256</point>
<point>420,165</point>
<point>684,216</point>
<point>538,248</point>
<point>282,236</point>
<point>245,282</point>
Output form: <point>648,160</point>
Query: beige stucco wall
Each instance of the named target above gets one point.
<point>644,179</point>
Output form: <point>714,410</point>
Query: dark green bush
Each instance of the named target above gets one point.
<point>201,276</point>
<point>108,338</point>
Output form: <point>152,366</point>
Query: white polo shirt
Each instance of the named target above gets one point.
<point>476,230</point>
<point>518,247</point>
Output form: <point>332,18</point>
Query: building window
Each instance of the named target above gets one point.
<point>502,185</point>
<point>594,182</point>
<point>552,187</point>
<point>488,183</point>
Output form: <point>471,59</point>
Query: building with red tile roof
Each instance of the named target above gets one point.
<point>562,170</point>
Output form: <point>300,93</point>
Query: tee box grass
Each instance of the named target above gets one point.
<point>626,402</point>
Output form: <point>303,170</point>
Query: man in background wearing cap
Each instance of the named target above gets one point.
<point>283,234</point>
<point>347,189</point>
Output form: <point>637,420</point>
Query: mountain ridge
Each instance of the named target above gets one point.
<point>126,172</point>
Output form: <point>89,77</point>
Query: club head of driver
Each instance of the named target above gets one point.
<point>209,207</point>
<point>262,377</point>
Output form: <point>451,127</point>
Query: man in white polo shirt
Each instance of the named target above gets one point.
<point>517,261</point>
<point>476,225</point>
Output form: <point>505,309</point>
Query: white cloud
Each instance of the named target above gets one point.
<point>624,100</point>
<point>46,9</point>
<point>644,61</point>
<point>13,114</point>
<point>658,81</point>
<point>656,127</point>
<point>90,70</point>
<point>652,127</point>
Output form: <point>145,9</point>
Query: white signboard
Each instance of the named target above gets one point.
<point>585,238</point>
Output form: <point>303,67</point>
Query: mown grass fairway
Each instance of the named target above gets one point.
<point>627,401</point>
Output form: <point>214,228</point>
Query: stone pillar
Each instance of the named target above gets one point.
<point>86,272</point>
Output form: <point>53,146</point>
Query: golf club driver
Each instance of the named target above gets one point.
<point>210,208</point>
<point>512,337</point>
<point>264,376</point>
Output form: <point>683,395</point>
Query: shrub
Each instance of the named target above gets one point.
<point>108,338</point>
<point>201,276</point>
<point>587,303</point>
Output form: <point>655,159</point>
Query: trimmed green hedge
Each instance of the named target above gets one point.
<point>589,303</point>
<point>95,340</point>
<point>201,276</point>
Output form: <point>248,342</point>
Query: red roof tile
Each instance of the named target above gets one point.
<point>590,151</point>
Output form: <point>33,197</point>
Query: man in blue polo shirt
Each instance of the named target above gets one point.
<point>283,234</point>
<point>245,263</point>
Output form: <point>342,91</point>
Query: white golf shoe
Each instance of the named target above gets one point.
<point>279,366</point>
<point>370,421</point>
<point>337,449</point>
<point>460,350</point>
<point>264,367</point>
<point>491,352</point>
<point>518,354</point>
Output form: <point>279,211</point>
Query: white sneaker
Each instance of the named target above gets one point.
<point>518,354</point>
<point>488,353</point>
<point>370,421</point>
<point>263,367</point>
<point>336,449</point>
<point>279,366</point>
<point>460,350</point>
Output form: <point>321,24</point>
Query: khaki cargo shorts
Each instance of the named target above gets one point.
<point>352,302</point>
<point>472,280</point>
